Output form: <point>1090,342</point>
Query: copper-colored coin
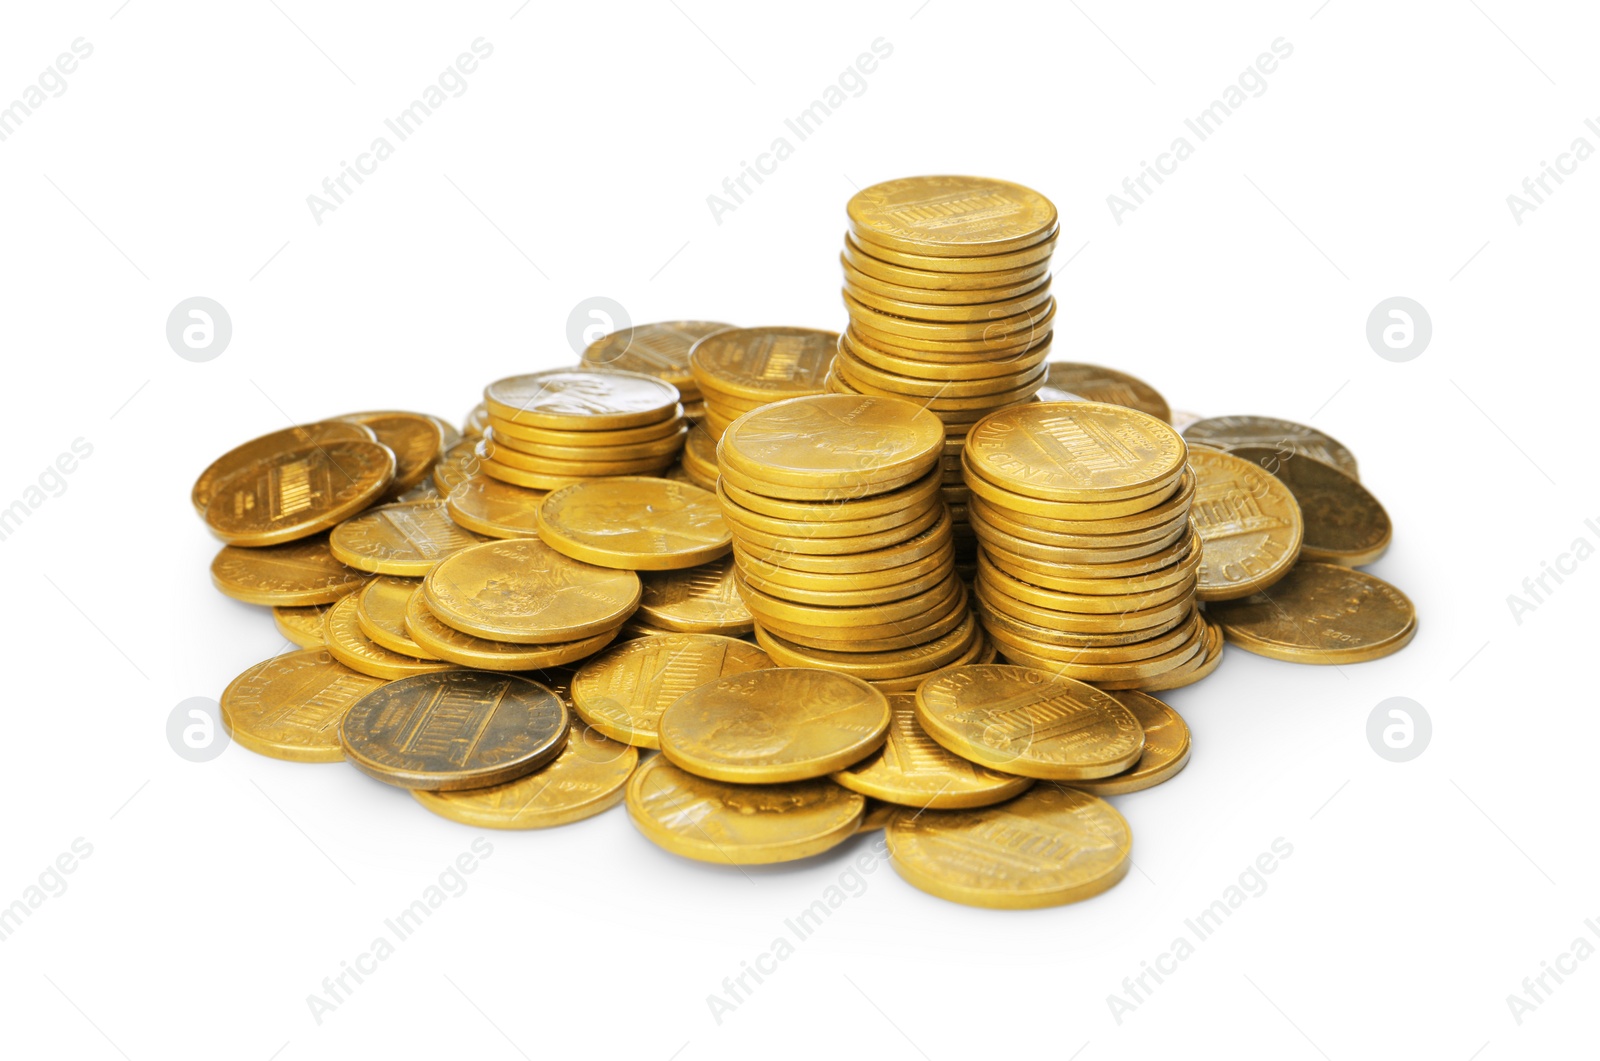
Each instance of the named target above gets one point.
<point>468,651</point>
<point>1321,613</point>
<point>575,400</point>
<point>289,707</point>
<point>701,600</point>
<point>301,625</point>
<point>1230,432</point>
<point>296,573</point>
<point>400,539</point>
<point>635,523</point>
<point>1096,383</point>
<point>1249,522</point>
<point>417,439</point>
<point>1075,452</point>
<point>829,440</point>
<point>660,349</point>
<point>950,216</point>
<point>349,644</point>
<point>381,614</point>
<point>268,447</point>
<point>495,509</point>
<point>299,492</point>
<point>523,591</point>
<point>1344,523</point>
<point>623,691</point>
<point>762,364</point>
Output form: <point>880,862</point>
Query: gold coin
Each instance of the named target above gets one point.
<point>514,434</point>
<point>341,629</point>
<point>495,509</point>
<point>1059,512</point>
<point>576,400</point>
<point>940,394</point>
<point>1166,747</point>
<point>269,447</point>
<point>914,495</point>
<point>454,730</point>
<point>772,726</point>
<point>527,480</point>
<point>1284,436</point>
<point>911,368</point>
<point>1147,524</point>
<point>740,825</point>
<point>950,215</point>
<point>296,573</point>
<point>1121,646</point>
<point>833,440</point>
<point>920,659</point>
<point>400,539</point>
<point>1135,623</point>
<point>1120,663</point>
<point>1049,846</point>
<point>477,419</point>
<point>589,776</point>
<point>623,691</point>
<point>415,438</point>
<point>700,452</point>
<point>1095,383</point>
<point>1320,613</point>
<point>1197,668</point>
<point>1249,522</point>
<point>845,621</point>
<point>455,465</point>
<point>911,769</point>
<point>381,614</point>
<point>1075,451</point>
<point>1344,523</point>
<point>289,707</point>
<point>1103,604</point>
<point>933,540</point>
<point>300,625</point>
<point>1018,531</point>
<point>660,349</point>
<point>851,596</point>
<point>981,652</point>
<point>485,654</point>
<point>1028,323</point>
<point>947,616</point>
<point>1179,563</point>
<point>774,572</point>
<point>523,591</point>
<point>878,815</point>
<point>863,262</point>
<point>953,351</point>
<point>762,364</point>
<point>696,600</point>
<point>855,276</point>
<point>954,313</point>
<point>825,494</point>
<point>761,532</point>
<point>1145,554</point>
<point>635,523</point>
<point>1022,720</point>
<point>299,492</point>
<point>491,450</point>
<point>660,449</point>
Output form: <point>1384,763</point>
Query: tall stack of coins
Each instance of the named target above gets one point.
<point>741,369</point>
<point>946,280</point>
<point>1089,561</point>
<point>548,429</point>
<point>661,350</point>
<point>841,540</point>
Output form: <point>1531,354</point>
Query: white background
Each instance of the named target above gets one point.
<point>578,162</point>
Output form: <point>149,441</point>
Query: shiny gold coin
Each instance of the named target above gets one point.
<point>941,394</point>
<point>1148,555</point>
<point>1166,748</point>
<point>1034,515</point>
<point>660,349</point>
<point>851,596</point>
<point>400,539</point>
<point>1179,563</point>
<point>456,465</point>
<point>623,691</point>
<point>1120,663</point>
<point>773,726</point>
<point>477,419</point>
<point>900,367</point>
<point>1049,846</point>
<point>299,492</point>
<point>1135,624</point>
<point>1136,674</point>
<point>269,447</point>
<point>914,495</point>
<point>515,434</point>
<point>762,364</point>
<point>950,215</point>
<point>1320,613</point>
<point>660,449</point>
<point>700,452</point>
<point>381,614</point>
<point>946,616</point>
<point>289,707</point>
<point>1062,511</point>
<point>888,617</point>
<point>454,730</point>
<point>635,523</point>
<point>829,440</point>
<point>539,481</point>
<point>933,540</point>
<point>495,454</point>
<point>957,313</point>
<point>1026,324</point>
<point>575,400</point>
<point>1121,646</point>
<point>417,440</point>
<point>495,509</point>
<point>831,493</point>
<point>826,536</point>
<point>990,271</point>
<point>1197,668</point>
<point>296,573</point>
<point>1344,523</point>
<point>1249,522</point>
<point>698,600</point>
<point>740,825</point>
<point>1000,346</point>
<point>1023,533</point>
<point>301,625</point>
<point>981,652</point>
<point>341,629</point>
<point>1075,451</point>
<point>773,571</point>
<point>913,770</point>
<point>1096,383</point>
<point>1102,604</point>
<point>452,645</point>
<point>856,277</point>
<point>878,816</point>
<point>920,659</point>
<point>1022,720</point>
<point>1284,436</point>
<point>523,591</point>
<point>589,776</point>
<point>981,264</point>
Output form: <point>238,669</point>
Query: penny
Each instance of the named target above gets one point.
<point>762,364</point>
<point>1284,436</point>
<point>623,691</point>
<point>1320,613</point>
<point>289,707</point>
<point>1096,383</point>
<point>1075,451</point>
<point>934,281</point>
<point>950,215</point>
<point>268,447</point>
<point>381,614</point>
<point>635,523</point>
<point>456,465</point>
<point>575,400</point>
<point>834,440</point>
<point>415,438</point>
<point>300,624</point>
<point>660,349</point>
<point>701,600</point>
<point>523,591</point>
<point>1344,523</point>
<point>495,509</point>
<point>1249,524</point>
<point>439,640</point>
<point>296,573</point>
<point>400,539</point>
<point>914,770</point>
<point>341,629</point>
<point>986,264</point>
<point>299,492</point>
<point>1166,748</point>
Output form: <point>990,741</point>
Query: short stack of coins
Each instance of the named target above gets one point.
<point>548,429</point>
<point>946,280</point>
<point>841,539</point>
<point>660,349</point>
<point>1089,561</point>
<point>740,369</point>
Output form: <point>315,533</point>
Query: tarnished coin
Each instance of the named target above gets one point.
<point>589,776</point>
<point>1022,720</point>
<point>574,400</point>
<point>299,492</point>
<point>635,523</point>
<point>762,364</point>
<point>1075,452</point>
<point>523,591</point>
<point>914,770</point>
<point>400,539</point>
<point>416,439</point>
<point>623,691</point>
<point>469,651</point>
<point>1284,436</point>
<point>1320,613</point>
<point>1096,383</point>
<point>772,726</point>
<point>454,730</point>
<point>495,509</point>
<point>297,573</point>
<point>699,600</point>
<point>1166,748</point>
<point>834,441</point>
<point>268,447</point>
<point>950,215</point>
<point>1344,523</point>
<point>341,629</point>
<point>381,613</point>
<point>660,349</point>
<point>1049,846</point>
<point>740,825</point>
<point>301,625</point>
<point>289,707</point>
<point>1248,522</point>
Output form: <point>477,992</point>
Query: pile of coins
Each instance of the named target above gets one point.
<point>660,350</point>
<point>946,280</point>
<point>740,369</point>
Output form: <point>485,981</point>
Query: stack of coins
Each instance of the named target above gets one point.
<point>548,429</point>
<point>741,369</point>
<point>660,350</point>
<point>841,540</point>
<point>946,280</point>
<point>1089,562</point>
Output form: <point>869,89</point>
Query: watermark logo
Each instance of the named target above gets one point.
<point>195,730</point>
<point>1537,589</point>
<point>50,884</point>
<point>199,329</point>
<point>1399,329</point>
<point>51,482</point>
<point>1399,729</point>
<point>593,319</point>
<point>51,84</point>
<point>1538,988</point>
